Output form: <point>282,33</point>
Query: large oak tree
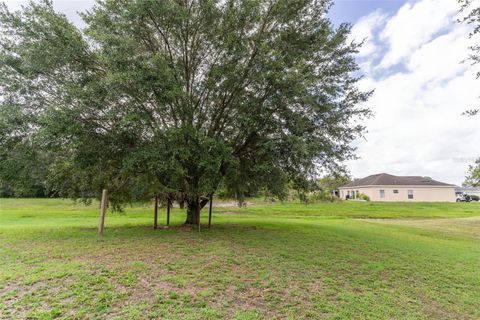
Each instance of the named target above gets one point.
<point>182,95</point>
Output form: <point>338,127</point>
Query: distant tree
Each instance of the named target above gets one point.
<point>22,165</point>
<point>162,96</point>
<point>334,181</point>
<point>473,175</point>
<point>472,17</point>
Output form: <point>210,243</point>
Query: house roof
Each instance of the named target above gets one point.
<point>384,179</point>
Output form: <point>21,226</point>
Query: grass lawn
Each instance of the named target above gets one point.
<point>267,261</point>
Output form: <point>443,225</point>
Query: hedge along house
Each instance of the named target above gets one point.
<point>387,187</point>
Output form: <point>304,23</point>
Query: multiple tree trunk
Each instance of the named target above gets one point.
<point>194,206</point>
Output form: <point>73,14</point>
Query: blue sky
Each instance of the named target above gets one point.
<point>352,10</point>
<point>412,58</point>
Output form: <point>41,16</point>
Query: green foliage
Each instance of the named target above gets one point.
<point>472,17</point>
<point>473,175</point>
<point>318,196</point>
<point>22,163</point>
<point>333,181</point>
<point>363,196</point>
<point>321,190</point>
<point>161,96</point>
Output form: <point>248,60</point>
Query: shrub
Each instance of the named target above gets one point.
<point>317,196</point>
<point>363,196</point>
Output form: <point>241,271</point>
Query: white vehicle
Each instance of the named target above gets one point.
<point>462,197</point>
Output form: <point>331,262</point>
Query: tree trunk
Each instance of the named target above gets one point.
<point>193,211</point>
<point>194,205</point>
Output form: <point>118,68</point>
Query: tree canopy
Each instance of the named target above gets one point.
<point>473,175</point>
<point>472,17</point>
<point>335,180</point>
<point>168,96</point>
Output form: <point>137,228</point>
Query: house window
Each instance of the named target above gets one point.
<point>382,194</point>
<point>395,191</point>
<point>410,194</point>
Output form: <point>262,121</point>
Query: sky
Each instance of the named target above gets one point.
<point>412,57</point>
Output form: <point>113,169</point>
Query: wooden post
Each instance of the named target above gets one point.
<point>103,208</point>
<point>155,215</point>
<point>210,211</point>
<point>168,211</point>
<point>198,212</point>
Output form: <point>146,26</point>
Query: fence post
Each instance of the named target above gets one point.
<point>155,215</point>
<point>210,211</point>
<point>168,211</point>
<point>103,208</point>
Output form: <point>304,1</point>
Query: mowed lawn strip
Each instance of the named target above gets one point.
<point>258,262</point>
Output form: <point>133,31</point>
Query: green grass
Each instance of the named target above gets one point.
<point>267,261</point>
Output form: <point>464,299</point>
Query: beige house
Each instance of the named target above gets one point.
<point>387,187</point>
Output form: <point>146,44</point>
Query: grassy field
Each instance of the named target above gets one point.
<point>267,261</point>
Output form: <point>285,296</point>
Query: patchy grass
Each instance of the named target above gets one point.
<point>266,261</point>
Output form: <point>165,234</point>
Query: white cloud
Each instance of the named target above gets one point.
<point>415,24</point>
<point>421,89</point>
<point>440,58</point>
<point>364,30</point>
